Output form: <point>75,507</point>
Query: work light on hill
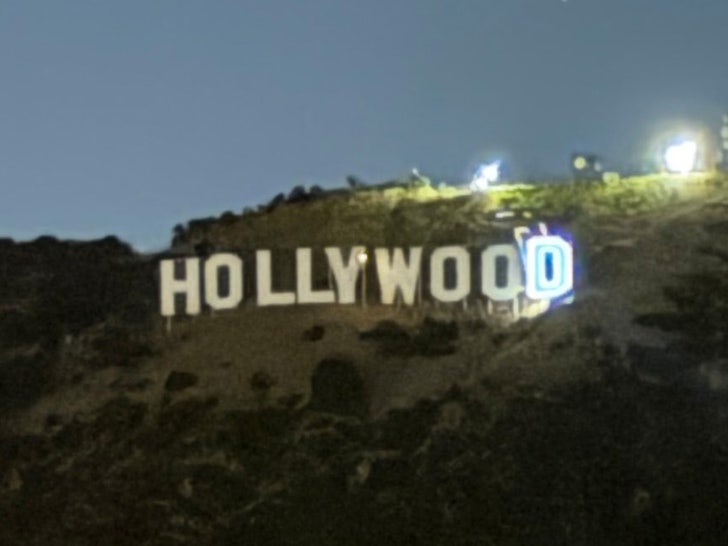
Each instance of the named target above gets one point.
<point>485,175</point>
<point>586,167</point>
<point>682,157</point>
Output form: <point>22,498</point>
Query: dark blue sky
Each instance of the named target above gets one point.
<point>128,117</point>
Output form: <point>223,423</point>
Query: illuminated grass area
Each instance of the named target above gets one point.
<point>429,214</point>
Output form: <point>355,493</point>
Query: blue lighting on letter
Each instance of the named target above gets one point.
<point>549,267</point>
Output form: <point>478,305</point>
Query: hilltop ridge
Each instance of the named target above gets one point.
<point>422,212</point>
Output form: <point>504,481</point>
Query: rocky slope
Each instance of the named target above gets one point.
<point>603,422</point>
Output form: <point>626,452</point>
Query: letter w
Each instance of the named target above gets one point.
<point>396,274</point>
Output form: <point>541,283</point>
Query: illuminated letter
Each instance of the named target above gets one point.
<point>234,266</point>
<point>189,286</point>
<point>303,280</point>
<point>462,273</point>
<point>396,274</point>
<point>489,272</point>
<point>345,276</point>
<point>266,296</point>
<point>549,267</point>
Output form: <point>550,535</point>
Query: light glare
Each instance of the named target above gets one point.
<point>362,257</point>
<point>681,158</point>
<point>486,174</point>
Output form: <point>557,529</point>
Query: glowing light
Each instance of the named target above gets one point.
<point>681,158</point>
<point>580,163</point>
<point>486,174</point>
<point>501,214</point>
<point>550,267</point>
<point>362,257</point>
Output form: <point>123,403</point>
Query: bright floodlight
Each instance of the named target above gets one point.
<point>681,158</point>
<point>486,174</point>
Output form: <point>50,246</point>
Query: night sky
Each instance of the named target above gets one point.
<point>128,117</point>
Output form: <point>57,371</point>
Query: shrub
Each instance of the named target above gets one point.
<point>337,387</point>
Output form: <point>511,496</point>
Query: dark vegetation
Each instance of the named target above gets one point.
<point>701,313</point>
<point>23,379</point>
<point>51,288</point>
<point>178,381</point>
<point>51,291</point>
<point>337,387</point>
<point>616,462</point>
<point>699,319</point>
<point>433,338</point>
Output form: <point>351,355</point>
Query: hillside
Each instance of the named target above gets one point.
<point>602,422</point>
<point>415,212</point>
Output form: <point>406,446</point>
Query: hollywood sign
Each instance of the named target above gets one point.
<point>539,266</point>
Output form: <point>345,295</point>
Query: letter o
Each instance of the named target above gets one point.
<point>234,266</point>
<point>488,273</point>
<point>462,273</point>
